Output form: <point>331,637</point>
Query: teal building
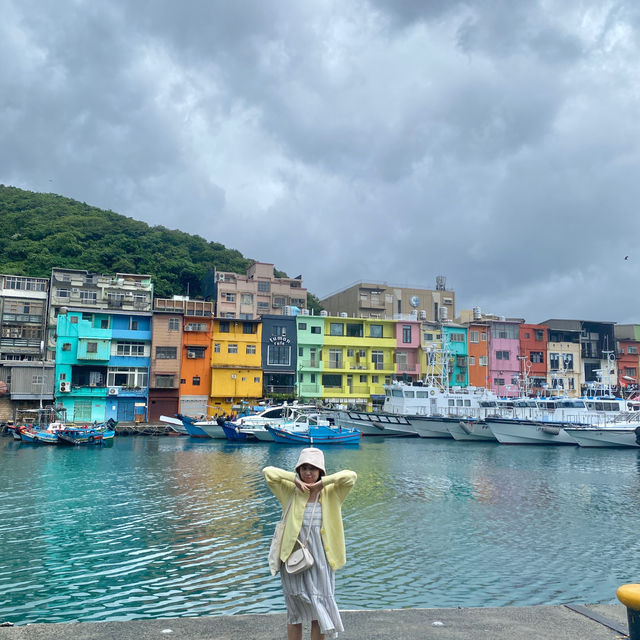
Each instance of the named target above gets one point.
<point>455,342</point>
<point>102,365</point>
<point>310,331</point>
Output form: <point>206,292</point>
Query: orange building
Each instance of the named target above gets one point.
<point>478,351</point>
<point>533,350</point>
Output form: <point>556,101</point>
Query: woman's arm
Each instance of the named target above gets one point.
<point>341,482</point>
<point>280,482</point>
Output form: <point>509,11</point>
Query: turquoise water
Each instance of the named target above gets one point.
<point>158,527</point>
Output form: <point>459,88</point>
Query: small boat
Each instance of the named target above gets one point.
<point>175,424</point>
<point>376,424</point>
<point>509,431</point>
<point>198,428</point>
<point>320,434</point>
<point>95,434</point>
<point>233,432</point>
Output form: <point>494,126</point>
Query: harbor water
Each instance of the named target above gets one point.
<point>156,527</point>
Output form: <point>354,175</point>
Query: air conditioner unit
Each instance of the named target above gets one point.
<point>191,355</point>
<point>220,277</point>
<point>65,387</point>
<point>113,391</point>
<point>75,290</point>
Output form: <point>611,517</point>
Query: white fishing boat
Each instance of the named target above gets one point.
<point>507,431</point>
<point>614,435</point>
<point>175,424</point>
<point>255,425</point>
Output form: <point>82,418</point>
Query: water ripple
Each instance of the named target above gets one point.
<point>159,527</point>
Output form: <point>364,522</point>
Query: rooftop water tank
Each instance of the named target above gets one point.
<point>444,313</point>
<point>477,313</point>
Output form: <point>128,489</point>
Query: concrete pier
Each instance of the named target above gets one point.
<point>566,622</point>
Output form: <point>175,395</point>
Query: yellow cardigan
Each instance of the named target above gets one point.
<point>335,488</point>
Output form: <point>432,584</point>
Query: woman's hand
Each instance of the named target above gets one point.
<point>301,485</point>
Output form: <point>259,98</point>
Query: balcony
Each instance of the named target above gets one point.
<point>272,388</point>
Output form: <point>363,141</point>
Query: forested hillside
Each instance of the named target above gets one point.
<point>39,231</point>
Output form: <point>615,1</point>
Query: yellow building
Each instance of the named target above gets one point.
<point>236,370</point>
<point>357,359</point>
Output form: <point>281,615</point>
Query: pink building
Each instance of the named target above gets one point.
<point>408,350</point>
<point>504,357</point>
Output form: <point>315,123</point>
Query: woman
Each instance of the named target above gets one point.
<point>315,513</point>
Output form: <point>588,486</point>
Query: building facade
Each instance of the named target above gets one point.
<point>310,333</point>
<point>533,356</point>
<point>26,377</point>
<point>258,292</point>
<point>376,300</point>
<point>236,369</point>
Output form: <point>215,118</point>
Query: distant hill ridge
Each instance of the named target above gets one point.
<point>39,231</point>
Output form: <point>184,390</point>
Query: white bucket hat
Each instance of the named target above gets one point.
<point>311,456</point>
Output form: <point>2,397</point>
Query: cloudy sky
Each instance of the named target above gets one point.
<point>494,142</point>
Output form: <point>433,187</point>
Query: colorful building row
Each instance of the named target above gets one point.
<point>102,346</point>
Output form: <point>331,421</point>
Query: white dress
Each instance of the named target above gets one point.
<point>310,595</point>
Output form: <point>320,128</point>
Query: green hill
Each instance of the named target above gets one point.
<point>39,231</point>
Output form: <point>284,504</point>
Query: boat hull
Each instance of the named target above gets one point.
<point>432,426</point>
<point>471,430</point>
<point>607,437</point>
<point>523,432</point>
<point>376,424</point>
<point>338,436</point>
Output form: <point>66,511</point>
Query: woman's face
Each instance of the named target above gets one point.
<point>308,473</point>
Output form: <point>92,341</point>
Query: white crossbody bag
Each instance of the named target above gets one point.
<point>301,559</point>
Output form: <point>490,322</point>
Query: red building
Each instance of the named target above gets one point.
<point>533,354</point>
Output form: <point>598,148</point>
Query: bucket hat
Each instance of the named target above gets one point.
<point>311,456</point>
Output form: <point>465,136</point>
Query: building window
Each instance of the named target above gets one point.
<point>134,377</point>
<point>473,336</point>
<point>195,381</point>
<point>164,381</point>
<point>482,361</point>
<point>263,306</point>
<point>316,330</point>
<point>249,327</point>
<point>66,346</point>
<point>130,349</point>
<point>92,347</point>
<point>537,357</point>
<point>216,347</point>
<point>354,330</point>
<point>279,301</point>
<point>264,287</point>
<point>336,329</point>
<point>224,326</point>
<point>456,337</point>
<point>232,348</point>
<point>554,361</point>
<point>505,331</point>
<point>88,297</point>
<point>374,379</point>
<point>278,355</point>
<point>246,298</point>
<point>483,336</point>
<point>539,335</point>
<point>279,330</point>
<point>256,380</point>
<point>406,334</point>
<point>502,355</point>
<point>166,353</point>
<point>312,377</point>
<point>472,361</point>
<point>332,380</point>
<point>630,372</point>
<point>335,358</point>
<point>632,350</point>
<point>377,358</point>
<point>302,326</point>
<point>174,324</point>
<point>251,349</point>
<point>133,325</point>
<point>375,331</point>
<point>63,293</point>
<point>230,297</point>
<point>196,352</point>
<point>498,382</point>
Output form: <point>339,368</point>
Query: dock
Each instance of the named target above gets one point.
<point>560,622</point>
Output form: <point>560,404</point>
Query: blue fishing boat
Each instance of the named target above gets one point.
<point>233,432</point>
<point>319,434</point>
<point>95,434</point>
<point>192,426</point>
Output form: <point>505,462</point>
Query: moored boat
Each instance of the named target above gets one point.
<point>375,424</point>
<point>607,436</point>
<point>507,431</point>
<point>320,434</point>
